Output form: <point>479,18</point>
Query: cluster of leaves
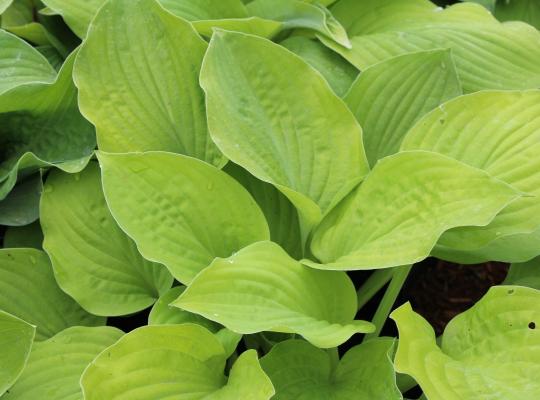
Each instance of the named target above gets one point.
<point>250,153</point>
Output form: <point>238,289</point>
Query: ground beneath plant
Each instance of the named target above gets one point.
<point>439,290</point>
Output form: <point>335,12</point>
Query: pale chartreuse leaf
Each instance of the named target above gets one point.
<point>40,125</point>
<point>279,212</point>
<point>171,361</point>
<point>196,211</point>
<point>510,57</point>
<point>163,313</point>
<point>24,236</point>
<point>299,370</point>
<point>338,72</point>
<point>94,261</point>
<point>499,132</point>
<point>246,380</point>
<point>491,351</point>
<point>55,365</point>
<point>163,107</point>
<point>401,209</point>
<point>16,337</point>
<point>4,4</point>
<point>21,206</point>
<point>20,63</point>
<point>489,4</point>
<point>524,274</point>
<point>376,16</point>
<point>389,97</point>
<point>519,10</point>
<point>294,133</point>
<point>261,288</point>
<point>29,291</point>
<point>300,14</point>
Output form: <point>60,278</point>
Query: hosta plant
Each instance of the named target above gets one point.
<point>188,190</point>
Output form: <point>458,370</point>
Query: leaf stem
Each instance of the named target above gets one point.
<point>399,276</point>
<point>373,284</point>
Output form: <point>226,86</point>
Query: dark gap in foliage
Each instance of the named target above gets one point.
<point>127,323</point>
<point>440,290</point>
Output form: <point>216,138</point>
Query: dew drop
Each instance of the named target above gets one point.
<point>47,188</point>
<point>33,260</point>
<point>210,186</point>
<point>77,177</point>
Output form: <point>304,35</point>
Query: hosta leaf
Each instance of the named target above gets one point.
<point>206,9</point>
<point>401,209</point>
<point>94,261</point>
<point>300,14</point>
<point>196,211</point>
<point>519,10</point>
<point>299,370</point>
<point>21,206</point>
<point>163,313</point>
<point>28,290</point>
<point>491,351</point>
<point>4,4</point>
<point>145,95</point>
<point>489,4</point>
<point>525,274</point>
<point>376,16</point>
<point>170,361</point>
<point>338,72</point>
<point>16,337</point>
<point>56,364</point>
<point>247,380</point>
<point>76,13</point>
<point>506,146</point>
<point>509,55</point>
<point>253,25</point>
<point>40,125</point>
<point>52,55</point>
<point>294,133</point>
<point>388,98</point>
<point>20,63</point>
<point>24,236</point>
<point>261,288</point>
<point>280,213</point>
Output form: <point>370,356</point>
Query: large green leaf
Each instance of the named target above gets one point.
<point>279,212</point>
<point>389,97</point>
<point>145,95</point>
<point>196,211</point>
<point>294,133</point>
<point>55,365</point>
<point>299,370</point>
<point>94,261</point>
<point>499,132</point>
<point>16,337</point>
<point>20,63</point>
<point>401,209</point>
<point>206,9</point>
<point>261,288</point>
<point>4,4</point>
<point>301,14</point>
<point>173,362</point>
<point>524,274</point>
<point>21,205</point>
<point>337,71</point>
<point>164,313</point>
<point>488,54</point>
<point>28,290</point>
<point>40,125</point>
<point>519,10</point>
<point>376,16</point>
<point>491,351</point>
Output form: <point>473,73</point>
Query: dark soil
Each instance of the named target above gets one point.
<point>439,290</point>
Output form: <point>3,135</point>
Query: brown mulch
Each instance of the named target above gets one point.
<point>440,290</point>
